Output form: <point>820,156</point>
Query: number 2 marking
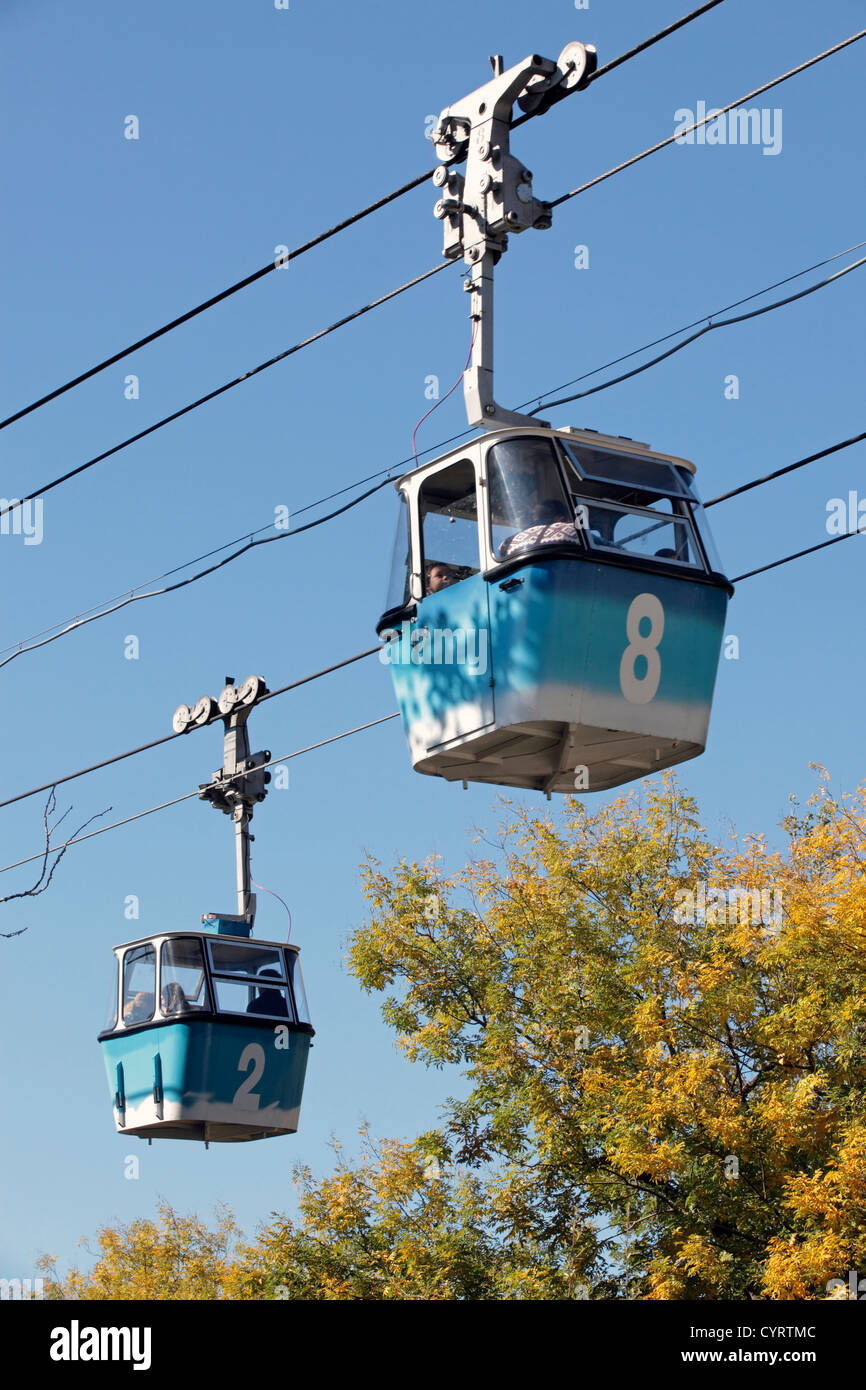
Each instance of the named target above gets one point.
<point>245,1097</point>
<point>639,690</point>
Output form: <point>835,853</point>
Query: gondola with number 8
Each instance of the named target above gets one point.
<point>556,611</point>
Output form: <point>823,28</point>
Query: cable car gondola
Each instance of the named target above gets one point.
<point>209,1030</point>
<point>208,1035</point>
<point>556,606</point>
<point>556,611</point>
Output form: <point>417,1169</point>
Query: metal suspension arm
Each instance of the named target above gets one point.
<point>241,782</point>
<point>495,197</point>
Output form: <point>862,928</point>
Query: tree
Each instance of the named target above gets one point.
<point>393,1227</point>
<point>389,1228</point>
<point>175,1257</point>
<point>670,1089</point>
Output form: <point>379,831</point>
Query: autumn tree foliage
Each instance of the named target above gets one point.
<point>665,1084</point>
<point>395,1226</point>
<point>671,1103</point>
<point>389,1227</point>
<point>174,1257</point>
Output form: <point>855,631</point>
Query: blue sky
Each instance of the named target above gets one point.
<point>258,128</point>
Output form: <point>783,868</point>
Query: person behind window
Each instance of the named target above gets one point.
<point>439,576</point>
<point>269,1001</point>
<point>174,1001</point>
<point>552,526</point>
<point>139,1008</point>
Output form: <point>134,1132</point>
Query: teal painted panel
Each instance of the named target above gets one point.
<point>589,644</point>
<point>569,623</point>
<point>212,1063</point>
<point>441,662</point>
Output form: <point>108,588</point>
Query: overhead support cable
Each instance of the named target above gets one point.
<point>211,395</point>
<point>789,468</point>
<point>632,52</point>
<point>707,328</point>
<point>704,318</point>
<point>167,738</point>
<point>220,390</point>
<point>654,39</point>
<point>685,130</point>
<point>217,298</point>
<point>187,796</point>
<point>251,544</point>
<point>321,237</point>
<point>798,555</point>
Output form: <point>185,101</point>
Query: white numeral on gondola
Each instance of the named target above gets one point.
<point>245,1097</point>
<point>639,690</point>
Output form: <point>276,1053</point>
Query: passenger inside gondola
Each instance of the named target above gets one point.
<point>139,1008</point>
<point>528,505</point>
<point>439,576</point>
<point>183,987</point>
<point>269,1001</point>
<point>174,1001</point>
<point>552,526</point>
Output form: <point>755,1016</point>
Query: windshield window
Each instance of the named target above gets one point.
<point>707,540</point>
<point>528,504</point>
<point>301,1006</point>
<point>651,533</point>
<point>182,982</point>
<point>626,470</point>
<point>253,979</point>
<point>236,958</point>
<point>244,997</point>
<point>449,526</point>
<point>631,517</point>
<point>139,984</point>
<point>398,581</point>
<point>111,1011</point>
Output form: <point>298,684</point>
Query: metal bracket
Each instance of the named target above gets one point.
<point>495,196</point>
<point>241,782</point>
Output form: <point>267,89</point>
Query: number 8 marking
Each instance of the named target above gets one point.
<point>639,690</point>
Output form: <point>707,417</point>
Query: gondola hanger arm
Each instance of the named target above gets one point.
<point>495,195</point>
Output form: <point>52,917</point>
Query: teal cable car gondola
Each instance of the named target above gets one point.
<point>208,1035</point>
<point>209,1030</point>
<point>556,612</point>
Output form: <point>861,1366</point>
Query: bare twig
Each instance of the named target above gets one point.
<point>47,869</point>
